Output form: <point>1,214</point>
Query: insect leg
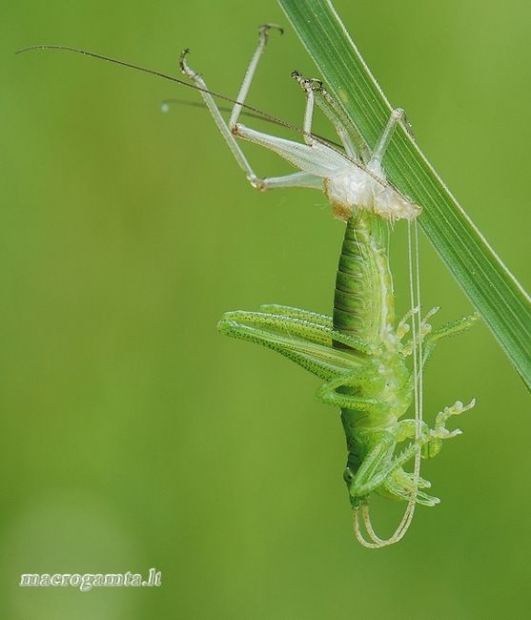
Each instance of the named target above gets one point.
<point>375,163</point>
<point>440,432</point>
<point>315,159</point>
<point>232,129</point>
<point>298,313</point>
<point>218,118</point>
<point>373,470</point>
<point>429,336</point>
<point>308,87</point>
<point>329,393</point>
<point>315,162</point>
<point>404,485</point>
<point>380,471</point>
<point>404,327</point>
<point>308,344</point>
<point>350,137</point>
<point>380,468</point>
<point>453,328</point>
<point>263,36</point>
<point>430,441</point>
<point>296,322</point>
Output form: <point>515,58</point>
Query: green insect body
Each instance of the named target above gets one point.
<point>381,390</point>
<point>361,354</point>
<point>374,396</point>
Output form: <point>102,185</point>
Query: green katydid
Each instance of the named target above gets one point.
<point>360,352</point>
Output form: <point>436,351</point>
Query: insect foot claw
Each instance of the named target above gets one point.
<point>420,483</point>
<point>427,500</point>
<point>263,29</point>
<point>440,431</point>
<point>444,433</point>
<point>402,330</point>
<point>184,66</point>
<point>424,484</point>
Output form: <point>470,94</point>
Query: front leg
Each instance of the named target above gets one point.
<point>436,436</point>
<point>428,336</point>
<point>401,484</point>
<point>383,473</point>
<point>430,440</point>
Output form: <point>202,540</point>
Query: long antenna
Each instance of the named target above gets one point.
<point>165,76</point>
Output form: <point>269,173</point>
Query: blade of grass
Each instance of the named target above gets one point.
<point>496,294</point>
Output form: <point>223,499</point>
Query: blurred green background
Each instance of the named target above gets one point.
<point>133,435</point>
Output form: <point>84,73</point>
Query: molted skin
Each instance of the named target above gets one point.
<point>354,188</point>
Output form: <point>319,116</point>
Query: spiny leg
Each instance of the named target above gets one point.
<point>308,344</point>
<point>300,323</point>
<point>403,485</point>
<point>433,446</point>
<point>381,470</point>
<point>298,313</point>
<point>429,446</point>
<point>315,93</point>
<point>453,328</point>
<point>350,136</point>
<point>428,340</point>
<point>430,336</point>
<point>419,328</point>
<point>404,327</point>
<point>330,395</point>
<point>430,440</point>
<point>374,541</point>
<point>315,162</point>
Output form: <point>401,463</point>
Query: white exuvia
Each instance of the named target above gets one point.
<point>353,179</point>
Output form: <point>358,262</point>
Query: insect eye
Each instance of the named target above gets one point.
<point>347,476</point>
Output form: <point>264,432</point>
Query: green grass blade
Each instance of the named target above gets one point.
<point>496,294</point>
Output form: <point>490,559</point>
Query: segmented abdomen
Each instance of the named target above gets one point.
<point>363,298</point>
